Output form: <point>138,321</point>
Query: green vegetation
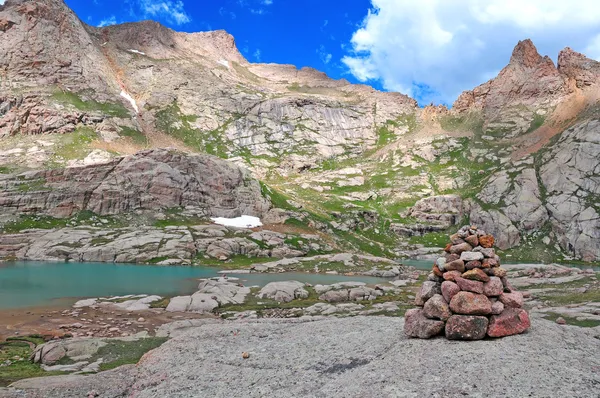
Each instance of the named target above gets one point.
<point>587,323</point>
<point>86,217</point>
<point>14,360</point>
<point>173,122</point>
<point>73,146</point>
<point>433,239</point>
<point>73,99</point>
<point>134,135</point>
<point>117,353</point>
<point>536,123</point>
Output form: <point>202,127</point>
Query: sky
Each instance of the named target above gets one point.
<point>431,50</point>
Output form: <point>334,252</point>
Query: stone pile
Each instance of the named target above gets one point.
<point>468,295</point>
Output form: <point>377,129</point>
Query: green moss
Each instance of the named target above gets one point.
<point>588,323</point>
<point>536,123</point>
<point>433,239</point>
<point>118,353</point>
<point>173,122</point>
<point>73,146</point>
<point>16,355</point>
<point>38,184</point>
<point>160,303</point>
<point>75,100</point>
<point>134,135</point>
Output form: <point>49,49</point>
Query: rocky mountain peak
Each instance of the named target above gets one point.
<point>525,54</point>
<point>576,66</point>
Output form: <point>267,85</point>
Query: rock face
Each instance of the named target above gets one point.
<point>283,291</point>
<point>210,295</point>
<point>472,304</point>
<point>321,349</point>
<point>149,180</point>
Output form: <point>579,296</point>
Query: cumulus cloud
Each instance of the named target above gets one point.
<point>435,49</point>
<point>107,21</point>
<point>172,10</point>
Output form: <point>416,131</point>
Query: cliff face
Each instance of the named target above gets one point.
<point>147,181</point>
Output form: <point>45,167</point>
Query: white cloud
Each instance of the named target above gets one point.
<point>434,49</point>
<point>257,54</point>
<point>1,2</point>
<point>108,21</point>
<point>267,2</point>
<point>323,54</point>
<point>172,10</point>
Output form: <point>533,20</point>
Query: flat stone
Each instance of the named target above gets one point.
<point>460,248</point>
<point>472,264</point>
<point>437,308</point>
<point>499,272</point>
<point>465,327</point>
<point>512,300</point>
<point>451,275</point>
<point>469,285</point>
<point>494,287</point>
<point>511,321</point>
<point>449,290</point>
<point>456,265</point>
<point>416,324</point>
<point>471,256</point>
<point>467,303</point>
<point>489,263</point>
<point>476,274</point>
<point>428,290</point>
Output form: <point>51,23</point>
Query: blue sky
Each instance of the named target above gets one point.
<point>304,33</point>
<point>431,50</point>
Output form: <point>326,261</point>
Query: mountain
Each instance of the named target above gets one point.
<point>365,170</point>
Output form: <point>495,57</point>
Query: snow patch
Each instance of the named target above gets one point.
<point>240,222</point>
<point>136,52</point>
<point>129,98</point>
<point>224,63</point>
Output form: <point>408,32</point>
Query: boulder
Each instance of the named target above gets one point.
<point>467,303</point>
<point>493,287</point>
<point>416,324</point>
<point>427,291</point>
<point>284,291</point>
<point>452,275</point>
<point>512,300</point>
<point>437,308</point>
<point>460,248</point>
<point>476,274</point>
<point>465,327</point>
<point>471,256</point>
<point>469,285</point>
<point>511,321</point>
<point>449,290</point>
<point>455,265</point>
<point>473,264</point>
<point>486,241</point>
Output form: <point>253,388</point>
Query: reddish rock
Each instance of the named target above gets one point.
<point>449,290</point>
<point>468,285</point>
<point>499,272</point>
<point>497,307</point>
<point>507,286</point>
<point>428,290</point>
<point>452,257</point>
<point>461,247</point>
<point>476,274</point>
<point>456,265</point>
<point>437,272</point>
<point>511,321</point>
<point>472,240</point>
<point>455,239</point>
<point>417,325</point>
<point>451,275</point>
<point>466,303</point>
<point>494,287</point>
<point>473,264</point>
<point>437,308</point>
<point>447,248</point>
<point>486,241</point>
<point>465,327</point>
<point>512,300</point>
<point>561,321</point>
<point>489,263</point>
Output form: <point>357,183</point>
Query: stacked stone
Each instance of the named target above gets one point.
<point>467,295</point>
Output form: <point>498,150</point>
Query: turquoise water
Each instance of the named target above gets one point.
<point>32,283</point>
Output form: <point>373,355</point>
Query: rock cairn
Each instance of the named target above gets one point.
<point>468,295</point>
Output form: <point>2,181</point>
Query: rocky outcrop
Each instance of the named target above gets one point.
<point>211,294</point>
<point>164,246</point>
<point>570,175</point>
<point>148,180</point>
<point>443,210</point>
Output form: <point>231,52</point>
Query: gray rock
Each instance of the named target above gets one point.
<point>283,291</point>
<point>471,256</point>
